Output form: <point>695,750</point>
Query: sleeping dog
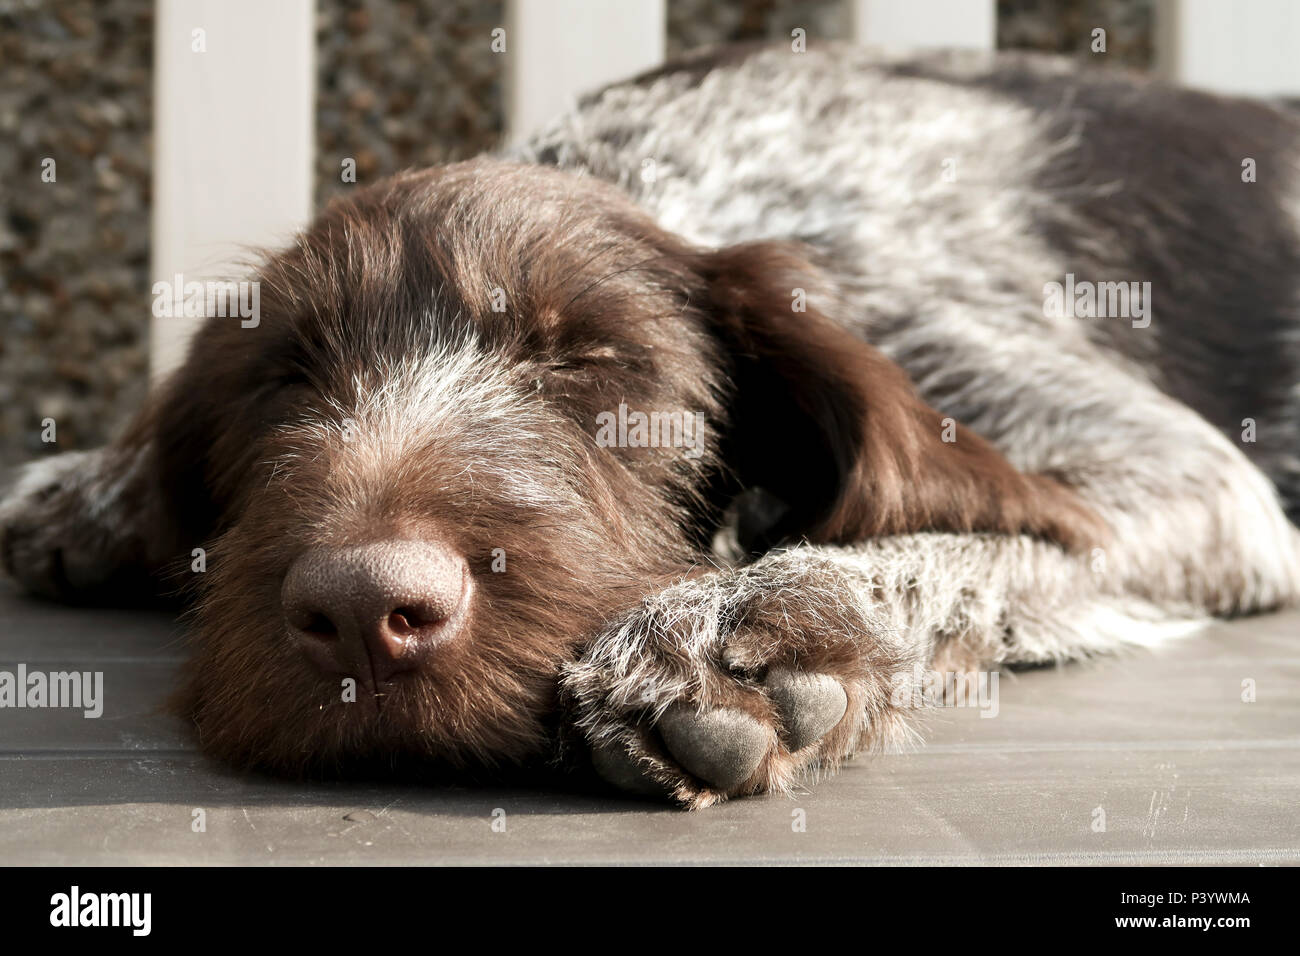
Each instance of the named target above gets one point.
<point>669,443</point>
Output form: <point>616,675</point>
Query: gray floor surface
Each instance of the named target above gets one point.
<point>1149,758</point>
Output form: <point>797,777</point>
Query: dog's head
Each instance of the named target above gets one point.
<point>484,408</point>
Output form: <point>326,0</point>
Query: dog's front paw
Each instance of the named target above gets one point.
<point>66,527</point>
<point>738,683</point>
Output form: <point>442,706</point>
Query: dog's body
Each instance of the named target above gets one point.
<point>422,401</point>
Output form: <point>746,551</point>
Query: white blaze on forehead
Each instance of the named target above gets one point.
<point>454,396</point>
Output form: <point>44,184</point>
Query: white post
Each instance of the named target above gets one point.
<point>916,24</point>
<point>234,130</point>
<point>1249,47</point>
<point>558,49</point>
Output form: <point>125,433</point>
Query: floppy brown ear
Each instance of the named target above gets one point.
<point>835,430</point>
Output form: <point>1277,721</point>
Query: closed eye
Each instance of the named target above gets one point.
<point>592,359</point>
<point>290,386</point>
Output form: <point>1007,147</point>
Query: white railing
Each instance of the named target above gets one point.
<point>918,24</point>
<point>1249,47</point>
<point>234,132</point>
<point>556,49</point>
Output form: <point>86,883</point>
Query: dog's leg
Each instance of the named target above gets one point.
<point>739,682</point>
<point>84,525</point>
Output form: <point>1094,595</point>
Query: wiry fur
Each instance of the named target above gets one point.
<point>1096,494</point>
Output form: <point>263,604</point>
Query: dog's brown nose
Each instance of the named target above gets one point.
<point>375,610</point>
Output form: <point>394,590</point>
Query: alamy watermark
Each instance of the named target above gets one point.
<point>77,690</point>
<point>209,299</point>
<point>630,429</point>
<point>1098,300</point>
<point>928,688</point>
<point>133,911</point>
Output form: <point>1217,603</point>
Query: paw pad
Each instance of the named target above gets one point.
<point>809,705</point>
<point>721,747</point>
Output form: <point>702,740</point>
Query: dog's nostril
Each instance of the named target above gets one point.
<point>407,619</point>
<point>318,625</point>
<point>306,619</point>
